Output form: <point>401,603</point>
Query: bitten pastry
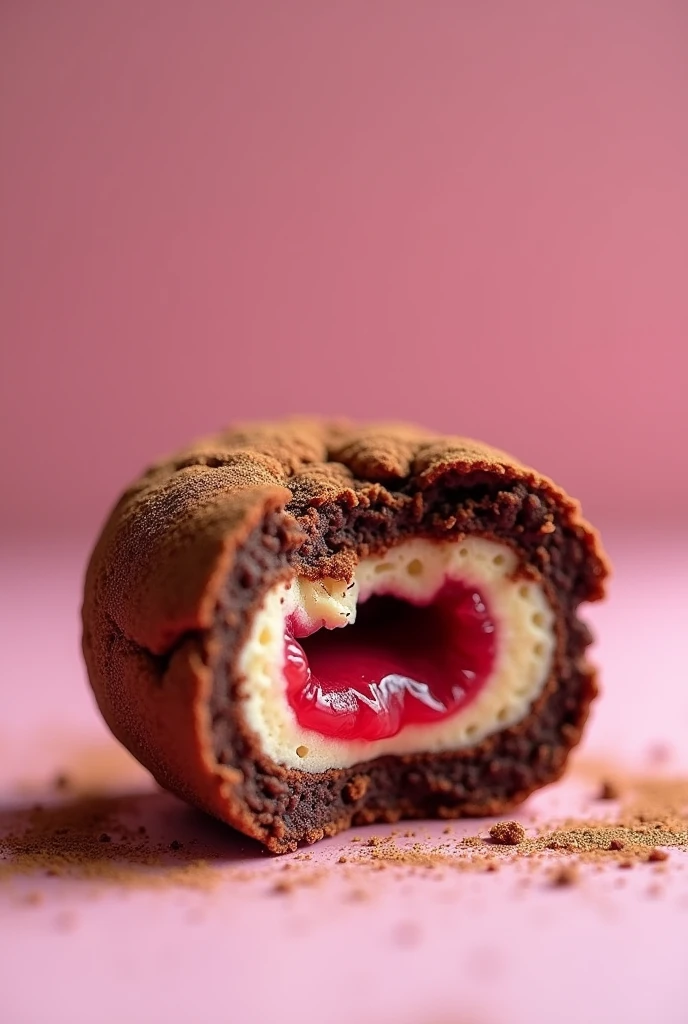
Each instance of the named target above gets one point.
<point>303,625</point>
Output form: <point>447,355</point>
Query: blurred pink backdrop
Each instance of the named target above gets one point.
<point>472,215</point>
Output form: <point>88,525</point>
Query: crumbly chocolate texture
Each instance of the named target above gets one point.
<point>189,551</point>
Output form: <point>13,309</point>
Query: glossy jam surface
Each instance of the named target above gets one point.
<point>400,664</point>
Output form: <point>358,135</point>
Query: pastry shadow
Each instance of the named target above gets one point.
<point>117,837</point>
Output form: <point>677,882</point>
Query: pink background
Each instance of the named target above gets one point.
<point>470,214</point>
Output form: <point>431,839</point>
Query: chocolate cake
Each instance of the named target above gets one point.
<point>305,625</point>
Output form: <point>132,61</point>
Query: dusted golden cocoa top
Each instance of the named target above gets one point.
<point>169,541</point>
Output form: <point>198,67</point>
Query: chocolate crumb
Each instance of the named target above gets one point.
<point>616,844</point>
<point>33,898</point>
<point>342,859</point>
<point>656,855</point>
<point>507,833</point>
<point>559,844</point>
<point>104,838</point>
<point>609,790</point>
<point>564,876</point>
<point>358,895</point>
<point>175,845</point>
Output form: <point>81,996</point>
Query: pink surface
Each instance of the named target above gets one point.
<point>220,210</point>
<point>457,949</point>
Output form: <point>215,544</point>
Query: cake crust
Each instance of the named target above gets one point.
<point>192,547</point>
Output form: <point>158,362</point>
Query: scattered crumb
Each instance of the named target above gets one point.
<point>559,844</point>
<point>608,790</point>
<point>652,813</point>
<point>507,833</point>
<point>93,838</point>
<point>375,841</point>
<point>33,898</point>
<point>564,876</point>
<point>358,895</point>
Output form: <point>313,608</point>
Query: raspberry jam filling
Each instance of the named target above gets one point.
<point>400,664</point>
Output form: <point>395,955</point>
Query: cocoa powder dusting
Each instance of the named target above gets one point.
<point>101,839</point>
<point>652,814</point>
<point>69,840</point>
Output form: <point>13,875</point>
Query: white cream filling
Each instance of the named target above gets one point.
<point>415,569</point>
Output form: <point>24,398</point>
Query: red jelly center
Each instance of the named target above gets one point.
<point>400,664</point>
